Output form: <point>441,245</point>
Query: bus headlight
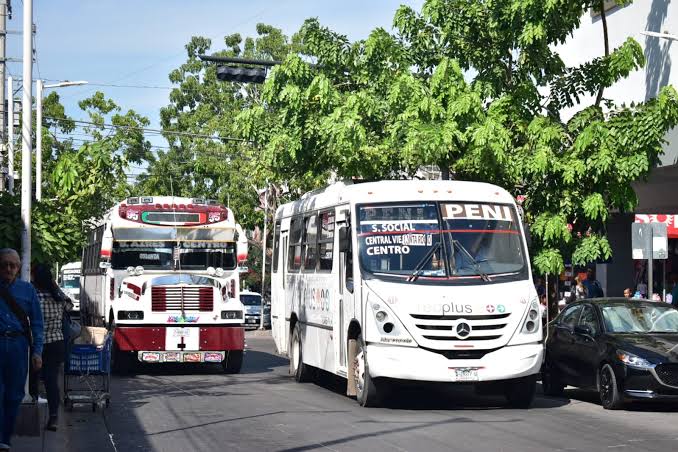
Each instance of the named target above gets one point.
<point>139,270</point>
<point>130,315</point>
<point>389,329</point>
<point>219,271</point>
<point>211,271</point>
<point>231,315</point>
<point>130,271</point>
<point>531,324</point>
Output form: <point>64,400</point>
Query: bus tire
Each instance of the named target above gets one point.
<point>233,362</point>
<point>520,392</point>
<point>303,373</point>
<point>368,391</point>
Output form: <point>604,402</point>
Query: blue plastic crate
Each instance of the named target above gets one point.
<point>89,359</point>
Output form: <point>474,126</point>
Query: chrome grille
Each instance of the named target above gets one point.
<point>667,374</point>
<point>169,298</point>
<point>484,327</point>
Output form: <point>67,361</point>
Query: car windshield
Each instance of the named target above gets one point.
<point>250,300</point>
<point>640,318</point>
<point>440,240</point>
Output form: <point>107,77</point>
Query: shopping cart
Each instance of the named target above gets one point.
<point>87,374</point>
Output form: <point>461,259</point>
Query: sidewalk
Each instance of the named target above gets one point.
<point>79,430</point>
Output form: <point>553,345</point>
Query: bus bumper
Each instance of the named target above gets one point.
<point>408,363</point>
<point>199,338</point>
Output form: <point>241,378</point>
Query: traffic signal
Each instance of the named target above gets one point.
<point>241,74</point>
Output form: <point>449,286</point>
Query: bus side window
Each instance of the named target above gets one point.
<point>326,240</point>
<point>294,257</point>
<point>276,246</point>
<point>345,246</point>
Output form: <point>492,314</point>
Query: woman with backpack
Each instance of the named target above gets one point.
<point>54,304</point>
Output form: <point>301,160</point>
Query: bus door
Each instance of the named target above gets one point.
<point>345,307</point>
<point>278,283</point>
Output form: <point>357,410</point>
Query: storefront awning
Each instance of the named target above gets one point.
<point>671,222</point>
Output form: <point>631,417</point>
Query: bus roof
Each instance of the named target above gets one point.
<point>71,266</point>
<point>396,190</point>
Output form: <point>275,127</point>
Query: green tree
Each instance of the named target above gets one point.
<point>477,89</point>
<point>204,159</point>
<point>81,181</point>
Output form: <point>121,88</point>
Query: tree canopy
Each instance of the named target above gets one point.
<point>477,89</point>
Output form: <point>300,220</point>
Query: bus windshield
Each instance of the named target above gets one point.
<point>70,280</point>
<point>440,240</point>
<point>173,255</point>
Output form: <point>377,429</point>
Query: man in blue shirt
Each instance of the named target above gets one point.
<point>14,344</point>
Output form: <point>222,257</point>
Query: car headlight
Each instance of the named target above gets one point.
<point>632,360</point>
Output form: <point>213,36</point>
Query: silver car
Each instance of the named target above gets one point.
<point>252,303</point>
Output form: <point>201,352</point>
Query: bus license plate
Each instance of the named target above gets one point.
<point>466,374</point>
<point>182,332</point>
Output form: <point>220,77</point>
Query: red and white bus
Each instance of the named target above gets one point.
<point>162,273</point>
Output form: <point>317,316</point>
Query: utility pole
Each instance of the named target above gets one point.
<point>263,260</point>
<point>27,141</point>
<point>10,135</point>
<point>3,111</point>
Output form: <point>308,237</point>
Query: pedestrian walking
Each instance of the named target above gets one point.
<point>21,332</point>
<point>593,287</point>
<point>579,290</point>
<point>53,303</point>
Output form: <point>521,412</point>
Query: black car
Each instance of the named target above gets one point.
<point>624,348</point>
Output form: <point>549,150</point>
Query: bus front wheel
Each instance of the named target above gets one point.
<point>520,391</point>
<point>368,391</point>
<point>302,372</point>
<point>233,362</point>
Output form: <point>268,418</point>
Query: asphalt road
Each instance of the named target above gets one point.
<point>200,409</point>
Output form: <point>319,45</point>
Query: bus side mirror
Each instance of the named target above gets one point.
<point>104,264</point>
<point>344,240</point>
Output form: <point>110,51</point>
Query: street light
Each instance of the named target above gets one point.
<point>654,34</point>
<point>38,129</point>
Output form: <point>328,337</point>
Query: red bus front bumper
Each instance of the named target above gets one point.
<point>152,338</point>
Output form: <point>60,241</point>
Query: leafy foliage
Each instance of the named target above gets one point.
<point>478,90</point>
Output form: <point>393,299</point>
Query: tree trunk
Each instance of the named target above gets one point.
<point>444,172</point>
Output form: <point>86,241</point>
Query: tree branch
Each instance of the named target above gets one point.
<point>606,41</point>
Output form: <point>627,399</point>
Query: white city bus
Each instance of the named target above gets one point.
<point>407,280</point>
<point>162,273</point>
<point>69,281</point>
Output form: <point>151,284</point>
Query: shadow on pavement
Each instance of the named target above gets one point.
<point>592,397</point>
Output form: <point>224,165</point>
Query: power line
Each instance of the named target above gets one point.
<point>157,131</point>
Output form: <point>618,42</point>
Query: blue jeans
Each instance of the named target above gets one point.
<point>13,372</point>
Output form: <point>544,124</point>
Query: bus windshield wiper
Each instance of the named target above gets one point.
<point>419,268</point>
<point>476,265</point>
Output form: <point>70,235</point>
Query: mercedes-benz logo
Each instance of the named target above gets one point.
<point>463,330</point>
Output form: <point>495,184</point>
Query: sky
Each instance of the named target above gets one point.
<point>137,43</point>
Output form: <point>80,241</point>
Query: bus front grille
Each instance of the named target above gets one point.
<point>194,298</point>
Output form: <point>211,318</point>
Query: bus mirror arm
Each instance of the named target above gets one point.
<point>528,235</point>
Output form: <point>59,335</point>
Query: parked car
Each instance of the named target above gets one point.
<point>252,302</point>
<point>625,349</point>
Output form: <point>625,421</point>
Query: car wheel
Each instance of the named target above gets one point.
<point>369,392</point>
<point>520,391</point>
<point>233,362</point>
<point>550,381</point>
<point>610,397</point>
<point>302,372</point>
